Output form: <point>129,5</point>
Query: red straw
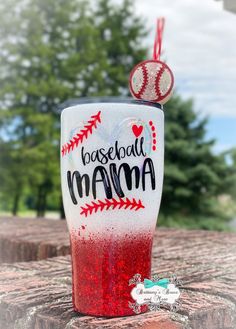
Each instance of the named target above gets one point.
<point>158,38</point>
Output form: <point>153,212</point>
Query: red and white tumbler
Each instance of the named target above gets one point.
<point>112,157</point>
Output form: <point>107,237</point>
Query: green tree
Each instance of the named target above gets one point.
<point>11,183</point>
<point>194,175</point>
<point>52,51</point>
<point>231,157</point>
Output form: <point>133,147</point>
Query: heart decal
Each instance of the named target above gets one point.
<point>137,130</point>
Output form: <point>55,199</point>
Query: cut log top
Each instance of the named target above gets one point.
<point>23,239</point>
<point>37,294</point>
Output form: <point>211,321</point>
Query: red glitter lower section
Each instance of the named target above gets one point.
<point>102,268</point>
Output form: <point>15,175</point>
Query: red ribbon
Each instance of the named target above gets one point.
<point>158,38</point>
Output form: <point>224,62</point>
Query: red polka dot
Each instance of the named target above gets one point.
<point>154,141</point>
<point>154,135</point>
<point>151,123</point>
<point>154,148</point>
<point>153,128</point>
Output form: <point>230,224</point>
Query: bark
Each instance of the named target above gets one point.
<point>41,202</point>
<point>62,212</point>
<point>16,203</point>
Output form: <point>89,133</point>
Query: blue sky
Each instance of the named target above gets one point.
<point>225,130</point>
<point>200,46</point>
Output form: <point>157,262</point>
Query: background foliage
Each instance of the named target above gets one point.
<point>51,51</point>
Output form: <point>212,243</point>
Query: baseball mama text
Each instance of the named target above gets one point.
<point>81,184</point>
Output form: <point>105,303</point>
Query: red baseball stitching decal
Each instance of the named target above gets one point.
<point>83,134</point>
<point>100,205</point>
<point>154,141</point>
<point>145,80</point>
<point>157,84</point>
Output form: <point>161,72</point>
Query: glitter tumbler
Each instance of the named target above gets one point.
<point>112,156</point>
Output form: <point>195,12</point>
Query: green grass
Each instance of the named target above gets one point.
<point>225,211</point>
<point>202,223</point>
<point>32,214</point>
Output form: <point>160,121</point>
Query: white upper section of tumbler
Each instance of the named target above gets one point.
<point>115,141</point>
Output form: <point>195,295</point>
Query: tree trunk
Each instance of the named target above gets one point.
<point>43,191</point>
<point>43,204</point>
<point>40,207</point>
<point>62,212</point>
<point>16,202</point>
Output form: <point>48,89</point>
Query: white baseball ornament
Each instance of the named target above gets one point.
<point>151,80</point>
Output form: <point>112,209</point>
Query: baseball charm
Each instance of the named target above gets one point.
<point>151,80</point>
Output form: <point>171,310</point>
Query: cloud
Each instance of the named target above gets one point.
<point>200,46</point>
